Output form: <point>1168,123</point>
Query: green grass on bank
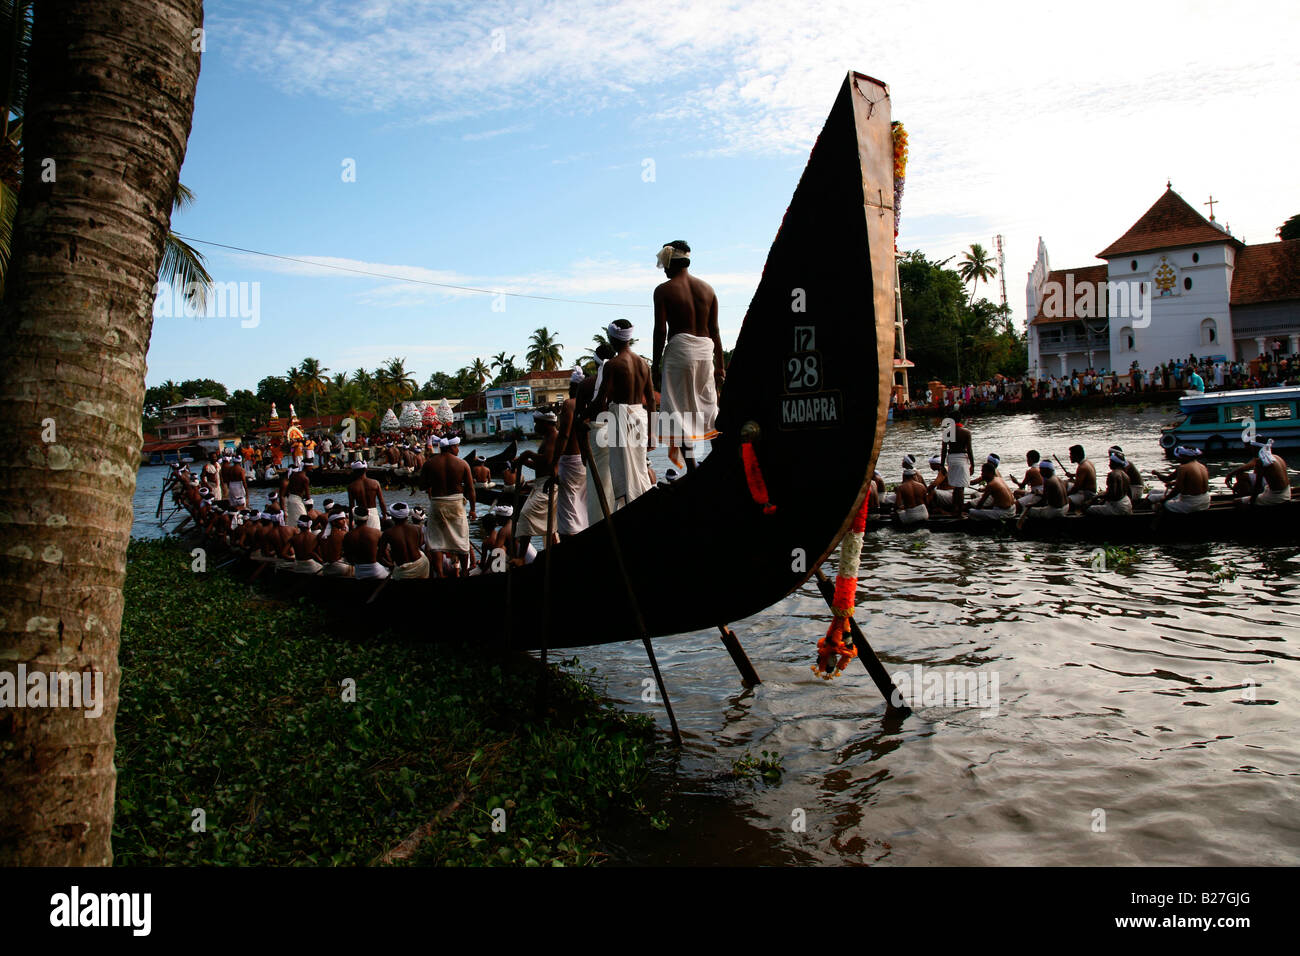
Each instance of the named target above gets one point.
<point>235,705</point>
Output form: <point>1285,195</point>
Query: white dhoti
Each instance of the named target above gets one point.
<point>1269,496</point>
<point>1187,504</point>
<point>374,519</point>
<point>533,514</point>
<point>889,498</point>
<point>958,470</point>
<point>571,496</point>
<point>375,570</point>
<point>628,437</point>
<point>337,569</point>
<point>1079,497</point>
<point>419,568</point>
<point>294,508</point>
<point>991,514</point>
<point>238,495</point>
<point>447,526</point>
<point>943,497</point>
<point>913,515</point>
<point>307,566</point>
<point>598,472</point>
<point>1031,499</point>
<point>688,399</point>
<point>1124,506</point>
<point>1047,511</point>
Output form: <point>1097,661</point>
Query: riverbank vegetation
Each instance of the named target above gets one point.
<point>249,733</point>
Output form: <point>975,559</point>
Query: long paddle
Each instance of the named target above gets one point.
<point>631,596</point>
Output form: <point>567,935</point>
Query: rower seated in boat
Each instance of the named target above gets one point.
<point>996,501</point>
<point>1083,483</point>
<point>1189,486</point>
<point>1136,483</point>
<point>329,550</point>
<point>400,546</point>
<point>909,500</point>
<point>304,544</point>
<point>1055,503</point>
<point>1116,500</point>
<point>1030,487</point>
<point>1272,482</point>
<point>939,492</point>
<point>361,546</point>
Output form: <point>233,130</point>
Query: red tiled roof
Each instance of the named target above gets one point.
<point>1088,275</point>
<point>309,422</point>
<point>1169,224</point>
<point>1268,272</point>
<point>150,447</point>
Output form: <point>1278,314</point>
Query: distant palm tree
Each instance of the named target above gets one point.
<point>500,362</point>
<point>480,371</point>
<point>543,351</point>
<point>976,267</point>
<point>314,382</point>
<point>393,382</point>
<point>171,392</point>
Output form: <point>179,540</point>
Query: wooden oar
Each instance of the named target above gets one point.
<point>546,580</point>
<point>635,607</point>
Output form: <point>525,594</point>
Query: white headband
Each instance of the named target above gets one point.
<point>667,254</point>
<point>617,334</point>
<point>578,375</point>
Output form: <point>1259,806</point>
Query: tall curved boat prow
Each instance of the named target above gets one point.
<point>810,374</point>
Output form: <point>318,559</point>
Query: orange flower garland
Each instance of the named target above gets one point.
<point>836,649</point>
<point>754,478</point>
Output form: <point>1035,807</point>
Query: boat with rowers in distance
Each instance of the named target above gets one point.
<point>711,547</point>
<point>1216,422</point>
<point>1225,520</point>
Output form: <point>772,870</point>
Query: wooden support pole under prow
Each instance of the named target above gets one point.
<point>884,683</point>
<point>631,597</point>
<point>748,676</point>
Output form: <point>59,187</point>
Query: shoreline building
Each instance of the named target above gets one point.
<point>1175,284</point>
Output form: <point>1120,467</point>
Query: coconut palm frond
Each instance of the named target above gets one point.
<point>182,266</point>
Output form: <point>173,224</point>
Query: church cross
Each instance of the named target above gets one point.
<point>1211,205</point>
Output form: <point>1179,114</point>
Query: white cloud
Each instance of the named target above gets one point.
<point>1026,119</point>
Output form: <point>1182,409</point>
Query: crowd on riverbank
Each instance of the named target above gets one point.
<point>1163,382</point>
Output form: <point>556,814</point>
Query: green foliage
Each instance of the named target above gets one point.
<point>1119,557</point>
<point>949,339</point>
<point>766,765</point>
<point>1290,229</point>
<point>240,711</point>
<point>544,353</point>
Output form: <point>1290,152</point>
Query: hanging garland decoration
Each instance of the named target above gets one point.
<point>836,649</point>
<point>754,478</point>
<point>900,170</point>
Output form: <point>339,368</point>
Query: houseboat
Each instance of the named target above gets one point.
<point>1220,423</point>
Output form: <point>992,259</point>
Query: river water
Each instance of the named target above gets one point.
<point>1142,715</point>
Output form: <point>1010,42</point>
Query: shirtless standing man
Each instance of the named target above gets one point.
<point>232,476</point>
<point>627,392</point>
<point>448,482</point>
<point>364,492</point>
<point>296,492</point>
<point>570,472</point>
<point>592,432</point>
<point>400,546</point>
<point>957,458</point>
<point>534,515</point>
<point>687,352</point>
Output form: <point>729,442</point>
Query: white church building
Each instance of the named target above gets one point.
<point>1175,284</point>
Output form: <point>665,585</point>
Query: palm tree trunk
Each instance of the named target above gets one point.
<point>111,101</point>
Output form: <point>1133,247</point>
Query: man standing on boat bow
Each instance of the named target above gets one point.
<point>690,365</point>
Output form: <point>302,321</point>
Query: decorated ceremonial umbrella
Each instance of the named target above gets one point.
<point>389,422</point>
<point>429,417</point>
<point>411,417</point>
<point>445,414</point>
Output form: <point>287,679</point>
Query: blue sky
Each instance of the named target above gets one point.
<point>504,146</point>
